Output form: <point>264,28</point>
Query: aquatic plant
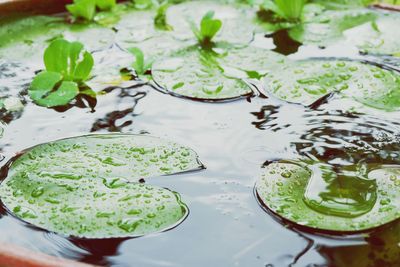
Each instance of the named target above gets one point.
<point>63,194</point>
<point>86,9</point>
<point>209,27</point>
<point>288,10</point>
<point>160,20</point>
<point>140,65</point>
<point>68,65</point>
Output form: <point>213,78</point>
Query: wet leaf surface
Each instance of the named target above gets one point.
<point>305,82</point>
<point>88,186</point>
<point>197,74</point>
<point>282,188</point>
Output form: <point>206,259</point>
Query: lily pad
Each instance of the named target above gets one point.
<point>197,75</point>
<point>22,37</point>
<point>355,205</point>
<point>255,62</point>
<point>305,82</point>
<point>328,27</point>
<point>377,37</point>
<point>43,93</point>
<point>236,24</point>
<point>88,186</point>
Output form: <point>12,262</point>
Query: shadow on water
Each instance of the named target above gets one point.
<point>284,44</point>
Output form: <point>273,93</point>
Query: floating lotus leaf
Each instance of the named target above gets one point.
<point>347,204</point>
<point>305,82</point>
<point>329,25</point>
<point>197,75</point>
<point>88,186</point>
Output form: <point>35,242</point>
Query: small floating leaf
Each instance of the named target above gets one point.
<point>252,60</point>
<point>236,23</point>
<point>82,9</point>
<point>87,186</point>
<point>43,93</point>
<point>306,81</point>
<point>197,75</point>
<point>357,204</point>
<point>329,26</point>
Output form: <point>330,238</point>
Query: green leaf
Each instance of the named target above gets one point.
<point>345,203</point>
<point>144,4</point>
<point>106,4</point>
<point>82,9</point>
<point>160,20</point>
<point>197,75</point>
<point>45,92</point>
<point>186,19</point>
<point>328,26</point>
<point>290,10</point>
<point>251,61</point>
<point>64,57</point>
<point>88,186</point>
<point>139,64</point>
<point>304,82</point>
<point>83,68</point>
<point>209,26</point>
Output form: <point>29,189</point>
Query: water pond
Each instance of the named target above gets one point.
<point>275,143</point>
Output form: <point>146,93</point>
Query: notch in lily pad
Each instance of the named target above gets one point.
<point>317,197</point>
<point>68,66</point>
<point>91,186</point>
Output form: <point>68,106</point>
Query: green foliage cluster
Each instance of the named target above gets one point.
<point>68,65</point>
<point>86,9</point>
<point>209,27</point>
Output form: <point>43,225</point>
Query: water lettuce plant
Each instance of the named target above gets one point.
<point>141,65</point>
<point>160,20</point>
<point>90,187</point>
<point>86,9</point>
<point>209,27</point>
<point>288,10</point>
<point>68,66</point>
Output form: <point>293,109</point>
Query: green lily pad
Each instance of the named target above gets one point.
<point>88,186</point>
<point>377,37</point>
<point>43,93</point>
<point>136,26</point>
<point>236,23</point>
<point>305,82</point>
<point>328,27</point>
<point>253,61</point>
<point>350,205</point>
<point>197,75</point>
<point>22,37</point>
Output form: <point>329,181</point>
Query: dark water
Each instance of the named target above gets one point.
<point>226,225</point>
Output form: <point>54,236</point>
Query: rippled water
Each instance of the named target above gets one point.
<point>226,225</point>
